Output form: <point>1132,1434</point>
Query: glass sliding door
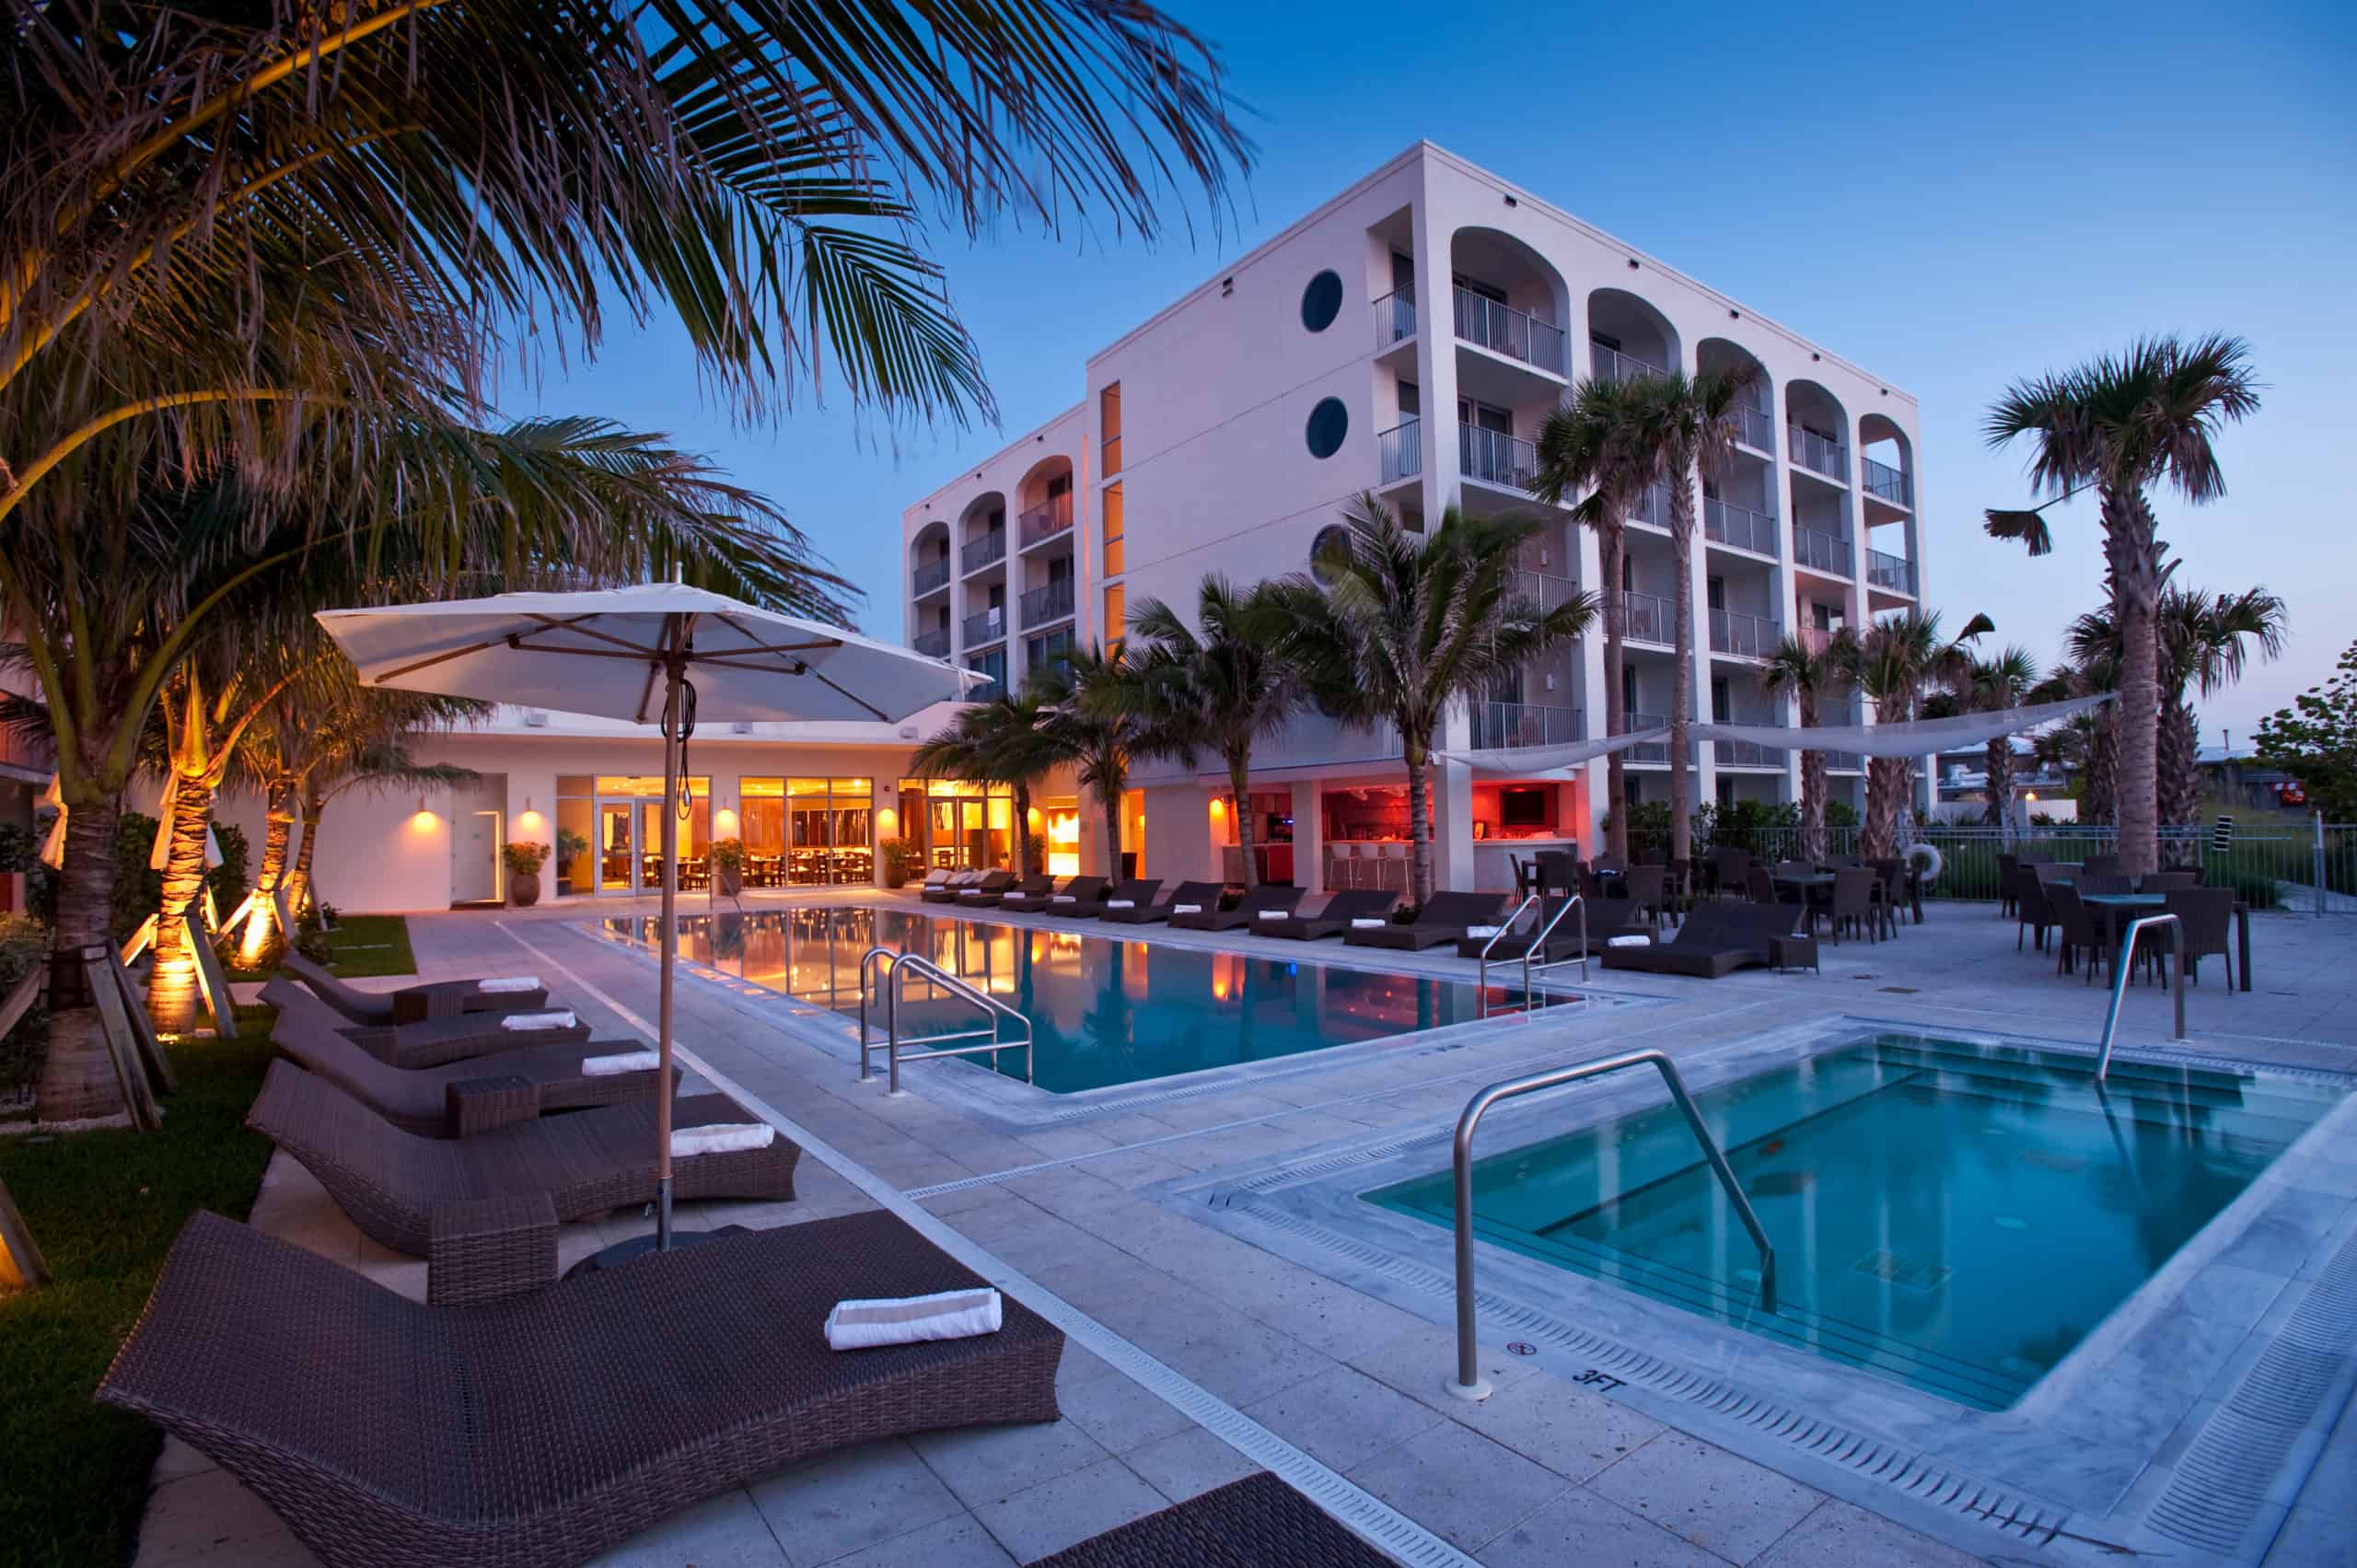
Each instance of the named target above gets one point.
<point>629,817</point>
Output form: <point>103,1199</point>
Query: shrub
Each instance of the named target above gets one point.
<point>524,858</point>
<point>728,854</point>
<point>227,881</point>
<point>24,946</point>
<point>138,888</point>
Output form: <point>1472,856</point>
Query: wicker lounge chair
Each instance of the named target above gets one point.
<point>989,891</point>
<point>1031,893</point>
<point>430,1042</point>
<point>984,896</point>
<point>1134,894</point>
<point>436,999</point>
<point>1720,936</point>
<point>1246,914</point>
<point>543,1429</point>
<point>1202,895</point>
<point>395,1184</point>
<point>933,879</point>
<point>1606,918</point>
<point>1341,909</point>
<point>946,891</point>
<point>1078,898</point>
<point>1258,1522</point>
<point>460,1098</point>
<point>1443,919</point>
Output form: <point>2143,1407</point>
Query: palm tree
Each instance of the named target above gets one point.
<point>1592,443</point>
<point>1398,627</point>
<point>1000,741</point>
<point>1813,677</point>
<point>2205,643</point>
<point>1992,685</point>
<point>373,761</point>
<point>1689,427</point>
<point>2123,423</point>
<point>1084,722</point>
<point>1896,661</point>
<point>1218,689</point>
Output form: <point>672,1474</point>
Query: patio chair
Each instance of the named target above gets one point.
<point>984,896</point>
<point>2075,930</point>
<point>1718,938</point>
<point>1853,903</point>
<point>2207,915</point>
<point>1032,893</point>
<point>2031,910</point>
<point>410,1004</point>
<point>1135,893</point>
<point>397,1186</point>
<point>1647,888</point>
<point>1890,890</point>
<point>431,1042</point>
<point>1335,918</point>
<point>1263,905</point>
<point>2006,866</point>
<point>1078,898</point>
<point>2105,882</point>
<point>1256,1520</point>
<point>2100,864</point>
<point>1606,918</point>
<point>1761,888</point>
<point>1730,871</point>
<point>2169,881</point>
<point>946,891</point>
<point>544,1428</point>
<point>1443,919</point>
<point>1202,895</point>
<point>460,1097</point>
<point>992,888</point>
<point>1609,865</point>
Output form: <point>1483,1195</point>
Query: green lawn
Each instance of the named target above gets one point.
<point>364,944</point>
<point>104,1207</point>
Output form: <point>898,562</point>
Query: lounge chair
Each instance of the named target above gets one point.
<point>1719,938</point>
<point>460,1098</point>
<point>1444,919</point>
<point>947,889</point>
<point>1341,911</point>
<point>992,888</point>
<point>1078,898</point>
<point>933,879</point>
<point>436,999</point>
<point>1202,894</point>
<point>1031,893</point>
<point>430,1042</point>
<point>1135,893</point>
<point>1606,918</point>
<point>542,1429</point>
<point>1254,1521</point>
<point>395,1185</point>
<point>1263,905</point>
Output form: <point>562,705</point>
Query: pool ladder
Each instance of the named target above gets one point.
<point>1469,1383</point>
<point>895,967</point>
<point>1547,923</point>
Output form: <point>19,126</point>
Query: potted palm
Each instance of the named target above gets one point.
<point>728,866</point>
<point>901,860</point>
<point>570,847</point>
<point>524,861</point>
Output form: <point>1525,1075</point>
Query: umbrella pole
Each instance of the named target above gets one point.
<point>670,948</point>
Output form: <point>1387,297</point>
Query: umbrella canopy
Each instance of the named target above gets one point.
<point>660,653</point>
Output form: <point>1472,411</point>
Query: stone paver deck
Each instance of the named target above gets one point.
<point>1544,1471</point>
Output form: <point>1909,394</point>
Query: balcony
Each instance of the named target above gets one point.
<point>1818,640</point>
<point>1756,428</point>
<point>995,667</point>
<point>1743,636</point>
<point>1516,334</point>
<point>1501,725</point>
<point>1046,522</point>
<point>1887,484</point>
<point>1648,618</point>
<point>1746,753</point>
<point>1724,522</point>
<point>933,644</point>
<point>1050,601</point>
<point>981,551</point>
<point>1892,574</point>
<point>1493,457</point>
<point>1822,551</point>
<point>931,577</point>
<point>1820,455</point>
<point>1395,320</point>
<point>1656,753</point>
<point>1039,653</point>
<point>1546,590</point>
<point>1402,451</point>
<point>1611,365</point>
<point>1652,508</point>
<point>990,626</point>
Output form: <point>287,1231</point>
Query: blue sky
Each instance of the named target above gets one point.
<point>1951,196</point>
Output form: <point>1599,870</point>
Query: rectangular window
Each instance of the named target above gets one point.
<point>1116,614</point>
<point>1403,272</point>
<point>1041,651</point>
<point>1412,398</point>
<point>1715,592</point>
<point>576,871</point>
<point>1722,704</point>
<point>1113,553</point>
<point>1109,418</point>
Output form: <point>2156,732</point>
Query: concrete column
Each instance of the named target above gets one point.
<point>1435,361</point>
<point>1308,835</point>
<point>1452,826</point>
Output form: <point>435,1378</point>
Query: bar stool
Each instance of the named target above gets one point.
<point>1393,875</point>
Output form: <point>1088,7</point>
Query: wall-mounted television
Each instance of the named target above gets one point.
<point>1522,808</point>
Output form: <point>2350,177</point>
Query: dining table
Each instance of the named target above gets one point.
<point>2119,909</point>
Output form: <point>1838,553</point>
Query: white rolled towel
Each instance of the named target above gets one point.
<point>726,1138</point>
<point>620,1062</point>
<point>1362,923</point>
<point>1637,941</point>
<point>1482,930</point>
<point>1272,914</point>
<point>556,1018</point>
<point>1064,899</point>
<point>969,893</point>
<point>504,982</point>
<point>1121,903</point>
<point>1186,909</point>
<point>904,1320</point>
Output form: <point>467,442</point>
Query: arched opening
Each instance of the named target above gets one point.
<point>1508,300</point>
<point>1739,499</point>
<point>929,571</point>
<point>1044,500</point>
<point>1887,463</point>
<point>1817,430</point>
<point>1626,336</point>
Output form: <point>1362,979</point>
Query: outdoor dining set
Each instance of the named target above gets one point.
<point>2086,906</point>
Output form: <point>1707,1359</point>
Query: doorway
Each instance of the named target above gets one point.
<point>474,858</point>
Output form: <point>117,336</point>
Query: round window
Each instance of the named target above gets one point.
<point>1321,301</point>
<point>1329,423</point>
<point>1331,541</point>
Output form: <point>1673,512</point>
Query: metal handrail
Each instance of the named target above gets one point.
<point>1537,943</point>
<point>2119,981</point>
<point>896,967</point>
<point>1469,1383</point>
<point>1481,985</point>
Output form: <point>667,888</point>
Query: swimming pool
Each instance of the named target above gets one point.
<point>1954,1216</point>
<point>1103,1011</point>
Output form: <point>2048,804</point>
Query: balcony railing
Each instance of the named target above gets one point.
<point>1887,484</point>
<point>1502,329</point>
<point>1894,573</point>
<point>1046,522</point>
<point>1746,753</point>
<point>1648,618</point>
<point>1049,602</point>
<point>1738,526</point>
<point>990,626</point>
<point>1822,551</point>
<point>993,666</point>
<point>935,643</point>
<point>1402,451</point>
<point>1742,635</point>
<point>1395,320</point>
<point>1652,506</point>
<point>931,577</point>
<point>1756,428</point>
<point>1041,651</point>
<point>979,552</point>
<point>1655,751</point>
<point>1546,590</point>
<point>1845,761</point>
<point>1523,724</point>
<point>1818,640</point>
<point>1611,365</point>
<point>1495,457</point>
<point>1817,454</point>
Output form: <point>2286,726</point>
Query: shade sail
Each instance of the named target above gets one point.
<point>1537,761</point>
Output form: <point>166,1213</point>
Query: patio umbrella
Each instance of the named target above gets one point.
<point>661,653</point>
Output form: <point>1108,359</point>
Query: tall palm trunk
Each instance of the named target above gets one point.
<point>1420,837</point>
<point>1999,763</point>
<point>1813,789</point>
<point>1022,828</point>
<point>1888,782</point>
<point>1613,548</point>
<point>255,938</point>
<point>298,882</point>
<point>1240,781</point>
<point>2134,559</point>
<point>77,1079</point>
<point>172,985</point>
<point>1111,801</point>
<point>2099,800</point>
<point>1681,681</point>
<point>2180,774</point>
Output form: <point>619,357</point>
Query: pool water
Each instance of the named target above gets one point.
<point>1954,1216</point>
<point>1103,1011</point>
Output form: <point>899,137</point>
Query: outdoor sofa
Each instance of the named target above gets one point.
<point>1335,919</point>
<point>396,1185</point>
<point>436,999</point>
<point>459,1097</point>
<point>1717,938</point>
<point>1202,895</point>
<point>430,1042</point>
<point>544,1428</point>
<point>1443,919</point>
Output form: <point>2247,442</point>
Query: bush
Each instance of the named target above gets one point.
<point>227,880</point>
<point>523,857</point>
<point>138,888</point>
<point>24,946</point>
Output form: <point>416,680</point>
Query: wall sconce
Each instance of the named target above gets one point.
<point>1219,806</point>
<point>887,819</point>
<point>724,822</point>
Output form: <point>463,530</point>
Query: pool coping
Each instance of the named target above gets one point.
<point>2151,1434</point>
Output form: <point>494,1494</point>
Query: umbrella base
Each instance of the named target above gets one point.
<point>637,1247</point>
